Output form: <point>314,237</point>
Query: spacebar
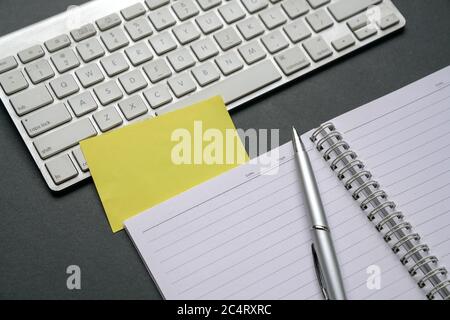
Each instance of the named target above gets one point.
<point>234,87</point>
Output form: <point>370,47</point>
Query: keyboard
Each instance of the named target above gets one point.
<point>110,63</point>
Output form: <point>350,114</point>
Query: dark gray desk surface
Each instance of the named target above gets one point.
<point>42,233</point>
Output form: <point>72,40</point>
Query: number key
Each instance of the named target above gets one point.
<point>65,60</point>
<point>114,39</point>
<point>138,28</point>
<point>39,71</point>
<point>161,19</point>
<point>90,50</point>
<point>185,9</point>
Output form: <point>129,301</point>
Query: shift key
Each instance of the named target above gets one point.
<point>69,136</point>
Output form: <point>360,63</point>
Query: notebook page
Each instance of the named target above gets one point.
<point>405,143</point>
<point>245,235</point>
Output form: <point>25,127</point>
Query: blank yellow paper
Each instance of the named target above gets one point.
<point>132,167</point>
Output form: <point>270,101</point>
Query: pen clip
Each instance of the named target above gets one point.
<point>319,273</point>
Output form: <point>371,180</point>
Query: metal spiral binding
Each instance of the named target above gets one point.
<point>399,234</point>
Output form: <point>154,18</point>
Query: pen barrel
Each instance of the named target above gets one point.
<point>329,265</point>
<point>312,199</point>
<point>323,243</point>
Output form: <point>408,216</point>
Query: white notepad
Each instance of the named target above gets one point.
<point>245,234</point>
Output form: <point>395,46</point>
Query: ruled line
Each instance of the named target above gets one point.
<point>400,120</point>
<point>397,109</point>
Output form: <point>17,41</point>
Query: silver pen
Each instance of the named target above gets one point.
<point>324,255</point>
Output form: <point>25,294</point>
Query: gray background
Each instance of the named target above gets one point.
<point>42,233</point>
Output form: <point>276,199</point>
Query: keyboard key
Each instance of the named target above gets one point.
<point>358,22</point>
<point>388,21</point>
<point>205,74</point>
<point>114,39</point>
<point>208,4</point>
<point>64,138</point>
<point>185,9</point>
<point>108,22</point>
<point>157,70</point>
<point>80,159</point>
<point>295,8</point>
<point>155,4</point>
<point>209,22</point>
<point>139,28</point>
<point>319,20</point>
<point>161,19</point>
<point>12,82</point>
<point>108,119</point>
<point>186,32</point>
<point>181,59</point>
<point>227,38</point>
<point>366,32</point>
<point>108,92</point>
<point>250,28</point>
<point>275,41</point>
<point>292,60</point>
<point>273,18</point>
<point>7,64</point>
<point>344,9</point>
<point>61,169</point>
<point>252,52</point>
<point>133,81</point>
<point>163,43</point>
<point>133,107</point>
<point>46,119</point>
<point>318,3</point>
<point>39,71</point>
<point>297,31</point>
<point>250,80</point>
<point>139,54</point>
<point>86,31</point>
<point>229,63</point>
<point>204,49</point>
<point>182,85</point>
<point>158,96</point>
<point>82,104</point>
<point>253,6</point>
<point>114,64</point>
<point>317,48</point>
<point>65,60</point>
<point>90,50</point>
<point>31,100</point>
<point>133,11</point>
<point>89,75</point>
<point>57,43</point>
<point>231,12</point>
<point>343,42</point>
<point>64,86</point>
<point>31,54</point>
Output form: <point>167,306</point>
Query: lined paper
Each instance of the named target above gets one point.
<point>245,234</point>
<point>408,152</point>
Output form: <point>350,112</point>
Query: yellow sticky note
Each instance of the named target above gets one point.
<point>143,164</point>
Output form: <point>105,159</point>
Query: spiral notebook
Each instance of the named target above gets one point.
<point>383,172</point>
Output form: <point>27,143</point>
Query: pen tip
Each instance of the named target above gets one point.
<point>298,144</point>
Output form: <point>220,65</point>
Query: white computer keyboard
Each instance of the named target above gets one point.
<point>127,60</point>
